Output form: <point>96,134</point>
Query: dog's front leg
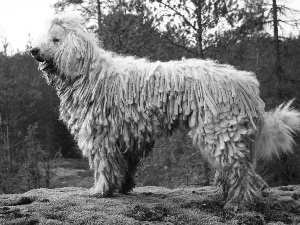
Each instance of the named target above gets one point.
<point>109,167</point>
<point>103,180</point>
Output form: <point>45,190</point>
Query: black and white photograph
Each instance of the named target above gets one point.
<point>143,112</point>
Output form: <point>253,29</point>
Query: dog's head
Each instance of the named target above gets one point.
<point>66,50</point>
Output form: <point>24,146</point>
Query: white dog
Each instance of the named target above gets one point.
<point>116,106</point>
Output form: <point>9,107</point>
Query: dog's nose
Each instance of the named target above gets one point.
<point>34,51</point>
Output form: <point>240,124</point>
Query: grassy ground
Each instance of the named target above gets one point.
<point>146,205</point>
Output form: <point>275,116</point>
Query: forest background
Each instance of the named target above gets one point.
<point>253,35</point>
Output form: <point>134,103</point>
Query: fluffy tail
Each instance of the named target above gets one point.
<point>276,134</point>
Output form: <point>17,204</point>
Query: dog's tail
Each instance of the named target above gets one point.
<point>276,133</point>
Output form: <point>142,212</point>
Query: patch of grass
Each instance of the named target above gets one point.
<point>144,213</point>
<point>249,218</point>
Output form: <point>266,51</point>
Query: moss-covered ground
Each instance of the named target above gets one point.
<point>146,205</point>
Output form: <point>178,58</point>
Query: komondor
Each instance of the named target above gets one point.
<point>116,106</point>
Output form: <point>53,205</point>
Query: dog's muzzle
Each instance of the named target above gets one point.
<point>43,64</point>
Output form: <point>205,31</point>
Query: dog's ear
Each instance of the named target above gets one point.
<point>74,56</point>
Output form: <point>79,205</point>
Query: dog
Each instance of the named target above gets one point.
<point>116,106</point>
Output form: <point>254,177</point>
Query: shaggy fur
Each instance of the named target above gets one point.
<point>116,106</point>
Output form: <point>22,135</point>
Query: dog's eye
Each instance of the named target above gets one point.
<point>55,40</point>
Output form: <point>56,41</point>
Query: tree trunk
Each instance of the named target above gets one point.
<point>278,66</point>
<point>99,14</point>
<point>6,131</point>
<point>198,4</point>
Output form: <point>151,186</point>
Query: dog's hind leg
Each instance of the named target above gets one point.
<point>239,183</point>
<point>237,177</point>
<point>228,148</point>
<point>129,179</point>
<point>133,159</point>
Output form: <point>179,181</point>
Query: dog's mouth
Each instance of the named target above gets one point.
<point>47,66</point>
